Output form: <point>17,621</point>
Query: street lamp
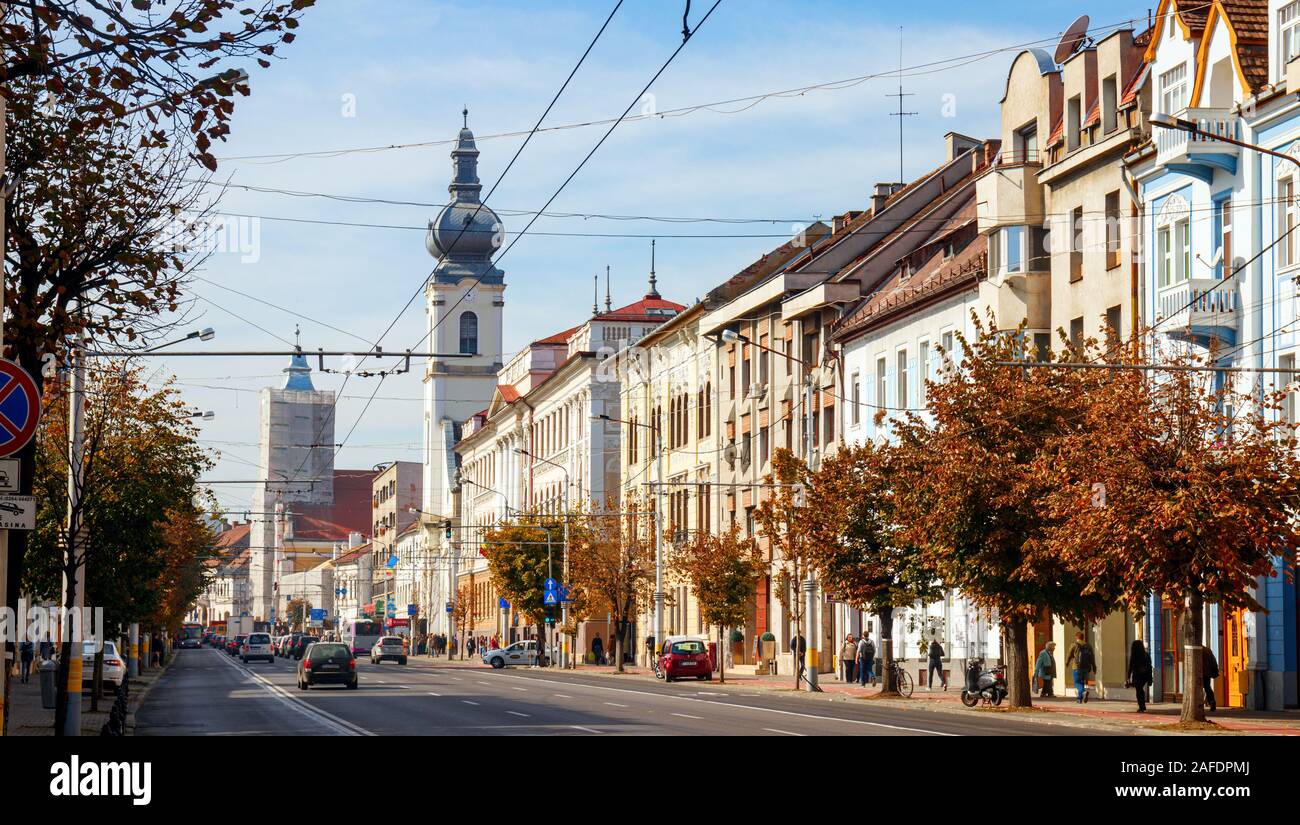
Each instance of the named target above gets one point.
<point>810,372</point>
<point>206,415</point>
<point>564,607</point>
<point>205,334</point>
<point>658,527</point>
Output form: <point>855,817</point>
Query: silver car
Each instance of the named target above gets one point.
<point>388,647</point>
<point>114,665</point>
<point>519,653</point>
<point>256,646</point>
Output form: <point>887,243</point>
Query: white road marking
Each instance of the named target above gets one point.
<point>687,716</point>
<point>580,727</point>
<point>517,713</point>
<point>489,684</point>
<point>525,690</point>
<point>564,695</point>
<point>616,704</point>
<point>735,705</point>
<point>468,702</point>
<point>786,732</point>
<point>431,693</point>
<point>329,720</point>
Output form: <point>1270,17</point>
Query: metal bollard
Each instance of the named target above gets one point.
<point>48,671</point>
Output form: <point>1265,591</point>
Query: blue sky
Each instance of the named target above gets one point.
<point>410,65</point>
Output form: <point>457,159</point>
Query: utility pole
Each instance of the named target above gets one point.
<point>659,538</point>
<point>900,114</point>
<point>74,591</point>
<point>810,583</point>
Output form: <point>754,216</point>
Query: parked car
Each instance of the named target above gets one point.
<point>114,666</point>
<point>277,646</point>
<point>519,653</point>
<point>686,657</point>
<point>256,646</point>
<point>327,663</point>
<point>388,648</point>
<point>234,645</point>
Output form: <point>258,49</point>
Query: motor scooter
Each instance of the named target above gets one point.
<point>987,686</point>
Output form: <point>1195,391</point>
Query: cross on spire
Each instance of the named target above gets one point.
<point>297,338</point>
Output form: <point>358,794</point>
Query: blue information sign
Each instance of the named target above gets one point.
<point>549,585</point>
<point>503,604</point>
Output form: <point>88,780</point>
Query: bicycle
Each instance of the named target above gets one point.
<point>901,679</point>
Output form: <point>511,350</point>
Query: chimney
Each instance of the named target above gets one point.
<point>881,194</point>
<point>354,540</point>
<point>958,144</point>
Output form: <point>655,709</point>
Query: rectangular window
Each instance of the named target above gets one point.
<point>1073,123</point>
<point>1286,215</point>
<point>949,348</point>
<point>1225,238</point>
<point>923,364</point>
<point>1114,329</point>
<point>881,400</point>
<point>1173,90</point>
<point>1288,27</point>
<point>1076,332</point>
<point>1182,249</point>
<point>1112,230</point>
<point>1076,244</point>
<point>1287,380</point>
<point>1015,253</point>
<point>1043,346</point>
<point>856,393</point>
<point>763,446</point>
<point>901,373</point>
<point>1026,149</point>
<point>1109,101</point>
<point>1164,256</point>
<point>828,423</point>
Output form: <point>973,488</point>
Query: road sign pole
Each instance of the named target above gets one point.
<point>74,590</point>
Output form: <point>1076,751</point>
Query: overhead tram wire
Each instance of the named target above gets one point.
<point>482,202</point>
<point>932,67</point>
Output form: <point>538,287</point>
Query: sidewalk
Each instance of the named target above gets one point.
<point>28,718</point>
<point>1109,713</point>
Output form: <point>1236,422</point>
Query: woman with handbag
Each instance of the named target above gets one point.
<point>1139,672</point>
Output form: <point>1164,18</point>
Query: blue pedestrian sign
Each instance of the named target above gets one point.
<point>551,597</point>
<point>503,604</point>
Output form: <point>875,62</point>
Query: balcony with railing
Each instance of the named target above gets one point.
<point>1200,153</point>
<point>1200,308</point>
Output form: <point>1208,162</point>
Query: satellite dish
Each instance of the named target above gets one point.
<point>1073,39</point>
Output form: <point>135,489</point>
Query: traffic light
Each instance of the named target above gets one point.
<point>446,525</point>
<point>550,614</point>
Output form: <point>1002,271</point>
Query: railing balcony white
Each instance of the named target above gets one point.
<point>1182,146</point>
<point>1200,305</point>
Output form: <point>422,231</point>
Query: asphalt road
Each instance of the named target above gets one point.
<point>206,692</point>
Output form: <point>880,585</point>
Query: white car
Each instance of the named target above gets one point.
<point>519,653</point>
<point>257,646</point>
<point>388,647</point>
<point>114,665</point>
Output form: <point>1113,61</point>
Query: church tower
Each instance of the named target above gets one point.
<point>463,303</point>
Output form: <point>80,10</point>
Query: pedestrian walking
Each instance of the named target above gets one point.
<point>469,646</point>
<point>1139,672</point>
<point>936,664</point>
<point>1083,663</point>
<point>866,660</point>
<point>798,648</point>
<point>46,649</point>
<point>598,650</point>
<point>1045,670</point>
<point>848,653</point>
<point>1209,672</point>
<point>26,652</point>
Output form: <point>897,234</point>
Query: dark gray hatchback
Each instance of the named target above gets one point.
<point>327,663</point>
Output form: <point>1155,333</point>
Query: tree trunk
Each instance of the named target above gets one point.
<point>66,650</point>
<point>618,645</point>
<point>1015,634</point>
<point>1193,661</point>
<point>722,658</point>
<point>890,684</point>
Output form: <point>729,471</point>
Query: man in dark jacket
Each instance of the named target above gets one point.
<point>936,664</point>
<point>1139,672</point>
<point>1209,672</point>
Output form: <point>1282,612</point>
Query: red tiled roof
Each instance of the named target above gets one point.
<point>1249,19</point>
<point>646,309</point>
<point>1193,13</point>
<point>312,528</point>
<point>1058,132</point>
<point>1134,84</point>
<point>557,338</point>
<point>899,293</point>
<point>1094,115</point>
<point>508,393</point>
<point>353,555</point>
<point>236,536</point>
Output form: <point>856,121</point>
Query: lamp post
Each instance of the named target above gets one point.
<point>810,581</point>
<point>658,527</point>
<point>564,607</point>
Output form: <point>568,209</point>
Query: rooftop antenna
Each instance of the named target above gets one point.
<point>297,336</point>
<point>900,114</point>
<point>595,291</point>
<point>607,304</point>
<point>653,293</point>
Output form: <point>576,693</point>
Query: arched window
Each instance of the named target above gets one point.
<point>468,333</point>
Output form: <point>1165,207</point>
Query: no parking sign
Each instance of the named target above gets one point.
<point>20,408</point>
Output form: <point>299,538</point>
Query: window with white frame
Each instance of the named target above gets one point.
<point>1288,33</point>
<point>923,362</point>
<point>881,401</point>
<point>1286,221</point>
<point>901,372</point>
<point>1183,249</point>
<point>1173,89</point>
<point>1173,241</point>
<point>857,399</point>
<point>1164,256</point>
<point>1286,381</point>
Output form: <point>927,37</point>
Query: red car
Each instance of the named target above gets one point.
<point>686,658</point>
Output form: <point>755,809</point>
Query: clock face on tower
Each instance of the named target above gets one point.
<point>470,295</point>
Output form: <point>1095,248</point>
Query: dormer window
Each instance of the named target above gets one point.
<point>1288,33</point>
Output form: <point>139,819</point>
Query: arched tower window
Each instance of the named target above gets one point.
<point>468,333</point>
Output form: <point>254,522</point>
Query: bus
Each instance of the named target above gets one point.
<point>191,635</point>
<point>360,634</point>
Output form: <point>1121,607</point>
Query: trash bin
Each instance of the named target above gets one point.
<point>713,656</point>
<point>48,670</point>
